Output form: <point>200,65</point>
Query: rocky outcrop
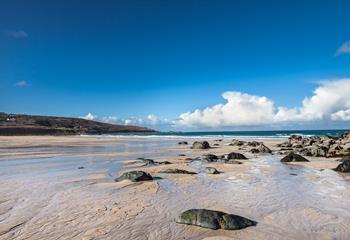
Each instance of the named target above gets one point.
<point>211,170</point>
<point>200,145</point>
<point>317,146</point>
<point>293,157</point>
<point>135,176</point>
<point>214,219</point>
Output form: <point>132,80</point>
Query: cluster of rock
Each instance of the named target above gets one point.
<point>317,146</point>
<point>256,147</point>
<point>214,219</point>
<point>230,158</point>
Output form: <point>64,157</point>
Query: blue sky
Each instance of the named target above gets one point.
<point>135,58</point>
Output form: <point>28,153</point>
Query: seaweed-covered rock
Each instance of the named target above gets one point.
<point>135,176</point>
<point>176,171</point>
<point>211,170</point>
<point>293,157</point>
<point>214,219</point>
<point>200,145</point>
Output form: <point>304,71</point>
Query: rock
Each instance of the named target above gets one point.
<point>182,143</point>
<point>236,142</point>
<point>293,157</point>
<point>314,151</point>
<point>216,144</point>
<point>253,144</point>
<point>218,140</point>
<point>200,145</point>
<point>233,155</point>
<point>254,150</point>
<point>151,162</point>
<point>182,155</point>
<point>209,158</point>
<point>211,170</point>
<point>164,163</point>
<point>263,149</point>
<point>81,167</point>
<point>231,161</point>
<point>344,166</point>
<point>135,176</point>
<point>176,171</point>
<point>214,219</point>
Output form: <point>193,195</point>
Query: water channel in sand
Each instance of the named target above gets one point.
<point>50,198</point>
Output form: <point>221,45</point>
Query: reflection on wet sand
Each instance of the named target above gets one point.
<point>51,198</point>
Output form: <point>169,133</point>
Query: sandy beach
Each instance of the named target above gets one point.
<point>64,188</point>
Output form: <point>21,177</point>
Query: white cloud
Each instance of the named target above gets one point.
<point>343,49</point>
<point>22,84</point>
<point>88,116</point>
<point>16,34</point>
<point>330,101</point>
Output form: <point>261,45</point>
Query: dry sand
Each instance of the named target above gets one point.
<point>45,196</point>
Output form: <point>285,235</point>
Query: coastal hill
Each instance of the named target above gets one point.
<point>18,124</point>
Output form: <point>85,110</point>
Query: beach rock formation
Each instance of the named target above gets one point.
<point>135,176</point>
<point>293,157</point>
<point>344,166</point>
<point>214,219</point>
<point>200,145</point>
<point>211,170</point>
<point>176,171</point>
<point>316,146</point>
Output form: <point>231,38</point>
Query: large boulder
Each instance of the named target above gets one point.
<point>344,166</point>
<point>293,157</point>
<point>176,171</point>
<point>214,219</point>
<point>135,176</point>
<point>314,151</point>
<point>200,145</point>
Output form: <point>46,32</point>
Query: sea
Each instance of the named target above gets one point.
<point>234,134</point>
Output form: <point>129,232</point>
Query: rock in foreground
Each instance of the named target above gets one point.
<point>344,166</point>
<point>135,176</point>
<point>214,219</point>
<point>200,145</point>
<point>293,157</point>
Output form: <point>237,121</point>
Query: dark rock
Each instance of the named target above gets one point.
<point>135,176</point>
<point>231,161</point>
<point>216,144</point>
<point>200,145</point>
<point>293,157</point>
<point>164,163</point>
<point>233,155</point>
<point>344,166</point>
<point>209,158</point>
<point>182,155</point>
<point>263,149</point>
<point>176,171</point>
<point>218,140</point>
<point>211,170</point>
<point>314,151</point>
<point>236,142</point>
<point>182,143</point>
<point>214,219</point>
<point>254,150</point>
<point>81,167</point>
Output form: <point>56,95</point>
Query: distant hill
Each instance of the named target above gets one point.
<point>18,124</point>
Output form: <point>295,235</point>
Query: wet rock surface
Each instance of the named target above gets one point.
<point>135,176</point>
<point>293,157</point>
<point>214,219</point>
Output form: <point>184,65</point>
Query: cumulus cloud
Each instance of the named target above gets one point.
<point>16,34</point>
<point>88,116</point>
<point>343,49</point>
<point>330,102</point>
<point>21,84</point>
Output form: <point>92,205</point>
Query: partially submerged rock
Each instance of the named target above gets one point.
<point>200,145</point>
<point>211,170</point>
<point>214,219</point>
<point>293,157</point>
<point>176,171</point>
<point>135,176</point>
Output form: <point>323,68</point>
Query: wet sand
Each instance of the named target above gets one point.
<point>44,194</point>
